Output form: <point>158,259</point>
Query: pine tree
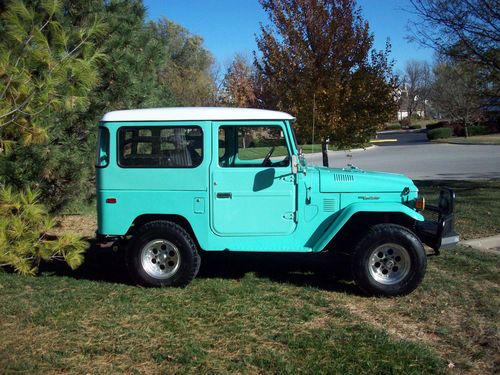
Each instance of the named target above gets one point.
<point>44,68</point>
<point>136,64</point>
<point>24,234</point>
<point>47,71</point>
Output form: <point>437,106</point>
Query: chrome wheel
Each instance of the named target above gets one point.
<point>389,263</point>
<point>160,259</point>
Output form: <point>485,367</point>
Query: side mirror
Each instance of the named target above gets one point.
<point>295,164</point>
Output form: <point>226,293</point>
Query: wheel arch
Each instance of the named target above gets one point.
<point>177,219</point>
<point>346,227</point>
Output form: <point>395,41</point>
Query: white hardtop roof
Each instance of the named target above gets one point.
<point>194,114</point>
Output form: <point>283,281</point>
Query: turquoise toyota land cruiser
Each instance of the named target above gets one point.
<point>172,182</point>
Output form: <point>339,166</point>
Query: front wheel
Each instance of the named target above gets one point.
<point>162,253</point>
<point>388,261</point>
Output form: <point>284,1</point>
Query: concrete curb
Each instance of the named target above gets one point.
<point>401,131</point>
<point>346,151</point>
<point>356,149</point>
<point>486,244</point>
<point>437,141</point>
<point>467,144</point>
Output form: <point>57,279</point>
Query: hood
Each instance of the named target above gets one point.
<point>354,180</point>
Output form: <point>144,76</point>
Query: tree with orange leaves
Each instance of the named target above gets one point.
<point>318,64</point>
<point>239,87</point>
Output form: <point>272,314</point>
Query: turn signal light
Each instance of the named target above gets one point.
<point>420,204</point>
<point>111,200</point>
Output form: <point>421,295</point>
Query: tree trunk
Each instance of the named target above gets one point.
<point>324,151</point>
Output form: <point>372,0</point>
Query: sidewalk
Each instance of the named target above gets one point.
<point>487,244</point>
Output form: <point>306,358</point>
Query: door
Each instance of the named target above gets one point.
<point>253,190</point>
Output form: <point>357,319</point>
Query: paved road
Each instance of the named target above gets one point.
<point>413,156</point>
<point>403,138</point>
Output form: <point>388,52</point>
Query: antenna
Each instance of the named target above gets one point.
<point>314,110</point>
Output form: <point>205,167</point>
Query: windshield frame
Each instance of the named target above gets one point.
<point>293,136</point>
<point>297,149</point>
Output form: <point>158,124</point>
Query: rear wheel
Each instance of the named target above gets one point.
<point>162,253</point>
<point>389,260</point>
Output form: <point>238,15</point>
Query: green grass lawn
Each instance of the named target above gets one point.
<point>251,153</point>
<point>490,139</point>
<point>261,314</point>
<point>395,125</point>
<point>477,206</point>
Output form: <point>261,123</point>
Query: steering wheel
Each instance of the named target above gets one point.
<point>267,162</point>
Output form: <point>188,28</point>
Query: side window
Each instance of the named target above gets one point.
<point>102,157</point>
<point>160,147</point>
<point>252,146</point>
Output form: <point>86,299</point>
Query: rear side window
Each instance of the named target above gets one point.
<point>102,157</point>
<point>160,147</point>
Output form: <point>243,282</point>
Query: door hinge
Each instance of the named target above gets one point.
<point>289,178</point>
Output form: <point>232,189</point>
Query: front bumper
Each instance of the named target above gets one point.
<point>440,233</point>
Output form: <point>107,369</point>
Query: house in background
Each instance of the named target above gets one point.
<point>491,108</point>
<point>418,107</point>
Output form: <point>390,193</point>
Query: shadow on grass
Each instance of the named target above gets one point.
<point>101,264</point>
<point>322,271</point>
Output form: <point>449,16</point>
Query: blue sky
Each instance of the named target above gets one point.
<point>229,26</point>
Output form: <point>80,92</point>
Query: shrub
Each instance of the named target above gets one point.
<point>24,238</point>
<point>393,126</point>
<point>263,142</point>
<point>415,126</point>
<point>437,125</point>
<point>479,130</point>
<point>404,122</point>
<point>439,133</point>
<point>458,128</point>
<point>493,126</point>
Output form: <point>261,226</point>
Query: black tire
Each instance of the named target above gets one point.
<point>153,242</point>
<point>376,256</point>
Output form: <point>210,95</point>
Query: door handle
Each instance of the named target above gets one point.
<point>224,195</point>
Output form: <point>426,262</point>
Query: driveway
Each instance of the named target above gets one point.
<point>411,137</point>
<point>419,159</point>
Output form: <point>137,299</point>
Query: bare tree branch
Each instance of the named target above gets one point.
<point>465,29</point>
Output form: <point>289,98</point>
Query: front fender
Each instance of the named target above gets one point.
<point>354,208</point>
